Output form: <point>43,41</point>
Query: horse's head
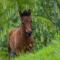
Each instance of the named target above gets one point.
<point>27,22</point>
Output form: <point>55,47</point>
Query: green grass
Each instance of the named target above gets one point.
<point>52,52</point>
<point>3,54</point>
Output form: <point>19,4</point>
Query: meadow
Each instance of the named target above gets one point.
<point>45,26</point>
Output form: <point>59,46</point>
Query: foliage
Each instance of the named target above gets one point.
<point>46,25</point>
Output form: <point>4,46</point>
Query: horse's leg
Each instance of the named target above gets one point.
<point>11,52</point>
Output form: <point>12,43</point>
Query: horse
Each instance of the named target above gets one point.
<point>20,38</point>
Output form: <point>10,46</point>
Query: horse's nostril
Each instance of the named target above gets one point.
<point>29,34</point>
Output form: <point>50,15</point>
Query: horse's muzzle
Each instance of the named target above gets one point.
<point>29,33</point>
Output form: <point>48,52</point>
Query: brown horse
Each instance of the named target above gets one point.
<point>20,39</point>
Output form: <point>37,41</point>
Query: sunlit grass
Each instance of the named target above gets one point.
<point>3,54</point>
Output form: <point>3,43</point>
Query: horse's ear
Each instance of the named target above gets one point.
<point>29,11</point>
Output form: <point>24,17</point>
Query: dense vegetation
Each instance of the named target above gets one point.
<point>46,27</point>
